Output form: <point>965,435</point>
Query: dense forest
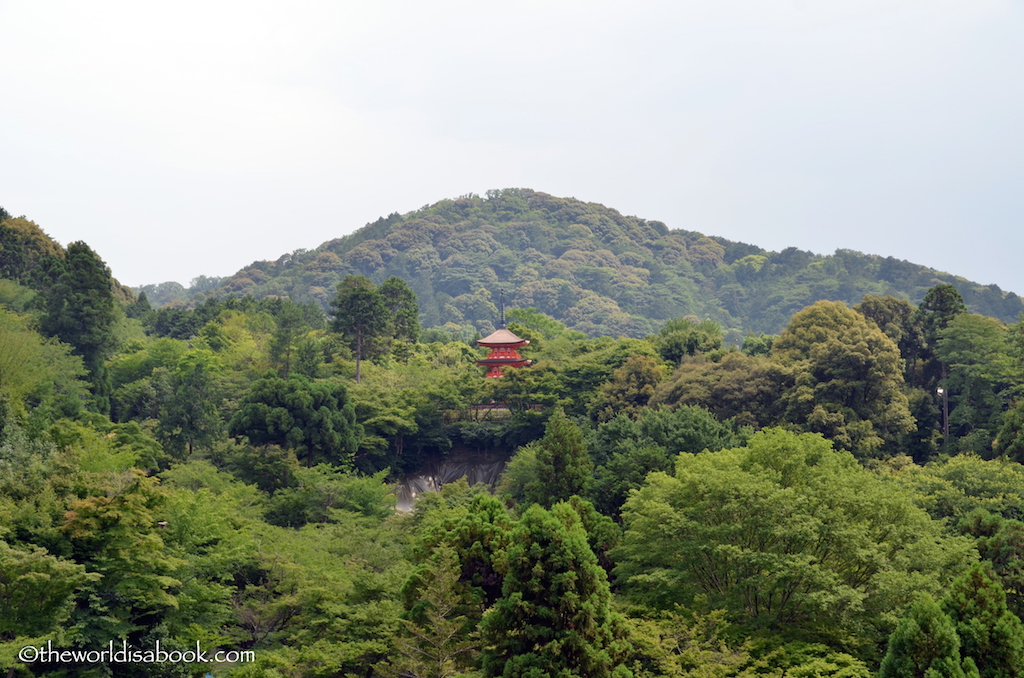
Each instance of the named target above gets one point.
<point>836,492</point>
<point>583,264</point>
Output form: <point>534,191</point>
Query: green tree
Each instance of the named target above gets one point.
<point>896,317</point>
<point>990,634</point>
<point>1000,541</point>
<point>626,470</point>
<point>1009,440</point>
<point>925,645</point>
<point>554,616</point>
<point>629,390</point>
<point>479,533</point>
<point>951,489</point>
<point>402,308</point>
<point>81,311</point>
<point>440,646</point>
<point>849,378</point>
<point>139,308</point>
<point>190,416</point>
<point>36,374</point>
<point>36,590</point>
<point>627,451</point>
<point>564,467</point>
<point>683,645</point>
<point>323,489</point>
<point>27,254</point>
<point>114,532</point>
<point>976,355</point>
<point>939,307</point>
<point>784,533</point>
<point>360,314</point>
<point>686,337</point>
<point>315,418</point>
<point>290,323</point>
<point>209,524</point>
<point>688,429</point>
<point>758,344</point>
<point>741,387</point>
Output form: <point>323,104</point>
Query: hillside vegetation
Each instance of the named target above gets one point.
<point>585,265</point>
<point>843,499</point>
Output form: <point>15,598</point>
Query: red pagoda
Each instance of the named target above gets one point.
<point>503,345</point>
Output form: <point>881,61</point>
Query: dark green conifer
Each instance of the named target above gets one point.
<point>940,305</point>
<point>190,417</point>
<point>564,467</point>
<point>138,308</point>
<point>554,617</point>
<point>402,308</point>
<point>82,312</point>
<point>990,634</point>
<point>925,644</point>
<point>290,324</point>
<point>360,315</point>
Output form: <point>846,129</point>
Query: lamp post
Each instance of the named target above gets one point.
<point>945,418</point>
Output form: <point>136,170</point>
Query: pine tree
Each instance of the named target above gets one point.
<point>990,634</point>
<point>82,312</point>
<point>290,324</point>
<point>359,314</point>
<point>440,646</point>
<point>139,308</point>
<point>554,617</point>
<point>925,644</point>
<point>190,417</point>
<point>940,305</point>
<point>402,308</point>
<point>564,467</point>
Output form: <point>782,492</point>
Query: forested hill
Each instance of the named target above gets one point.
<point>587,265</point>
<point>31,257</point>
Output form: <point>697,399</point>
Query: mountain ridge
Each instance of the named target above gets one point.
<point>585,264</point>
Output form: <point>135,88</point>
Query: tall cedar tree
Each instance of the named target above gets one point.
<point>359,314</point>
<point>939,307</point>
<point>82,312</point>
<point>990,634</point>
<point>554,618</point>
<point>564,466</point>
<point>290,324</point>
<point>925,645</point>
<point>189,417</point>
<point>403,309</point>
<point>478,536</point>
<point>439,646</point>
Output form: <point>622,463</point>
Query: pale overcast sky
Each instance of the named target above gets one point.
<point>191,138</point>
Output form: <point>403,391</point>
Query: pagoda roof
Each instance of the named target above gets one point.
<point>501,337</point>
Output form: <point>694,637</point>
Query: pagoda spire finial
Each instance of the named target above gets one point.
<point>502,302</point>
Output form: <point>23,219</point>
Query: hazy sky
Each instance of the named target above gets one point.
<point>191,138</point>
